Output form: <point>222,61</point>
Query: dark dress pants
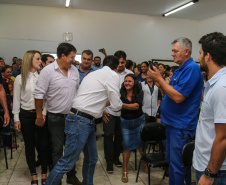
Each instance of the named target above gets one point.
<point>29,129</point>
<point>112,138</point>
<point>56,125</point>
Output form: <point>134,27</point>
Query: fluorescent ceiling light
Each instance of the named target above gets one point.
<point>180,7</point>
<point>67,3</point>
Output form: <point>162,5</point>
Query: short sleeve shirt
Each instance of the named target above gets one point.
<point>212,111</point>
<point>188,81</point>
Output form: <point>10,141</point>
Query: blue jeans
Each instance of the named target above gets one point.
<point>80,136</point>
<point>217,181</point>
<point>175,141</point>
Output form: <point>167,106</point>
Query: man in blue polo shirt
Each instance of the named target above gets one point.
<point>180,106</point>
<point>85,68</point>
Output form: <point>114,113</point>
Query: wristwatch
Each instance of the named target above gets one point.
<point>209,174</point>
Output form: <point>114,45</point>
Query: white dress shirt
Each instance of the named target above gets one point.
<point>57,88</point>
<point>121,80</point>
<point>24,99</point>
<point>94,91</point>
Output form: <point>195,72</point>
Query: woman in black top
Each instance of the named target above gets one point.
<point>132,118</point>
<point>8,87</point>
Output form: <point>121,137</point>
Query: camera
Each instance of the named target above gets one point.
<point>101,50</point>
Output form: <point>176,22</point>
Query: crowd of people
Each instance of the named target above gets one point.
<point>57,103</point>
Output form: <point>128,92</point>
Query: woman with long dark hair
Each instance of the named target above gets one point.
<point>132,119</point>
<point>25,114</point>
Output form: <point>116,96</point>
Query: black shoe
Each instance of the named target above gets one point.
<point>118,163</point>
<point>73,180</point>
<point>110,168</point>
<point>38,163</point>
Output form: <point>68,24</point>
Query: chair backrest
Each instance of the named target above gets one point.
<point>187,153</point>
<point>153,132</point>
<point>1,123</point>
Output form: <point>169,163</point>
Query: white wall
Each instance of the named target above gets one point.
<point>141,37</point>
<point>213,24</point>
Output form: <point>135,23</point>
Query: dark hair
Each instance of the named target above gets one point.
<point>129,63</point>
<point>139,67</point>
<point>120,54</point>
<point>137,89</point>
<point>88,52</point>
<point>173,68</point>
<point>5,67</point>
<point>44,57</point>
<point>65,48</point>
<point>167,67</point>
<point>111,61</point>
<point>1,58</point>
<point>145,62</point>
<point>162,65</point>
<point>215,44</point>
<point>96,57</point>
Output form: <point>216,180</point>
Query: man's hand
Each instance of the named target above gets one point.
<point>6,119</point>
<point>17,125</point>
<point>39,122</point>
<point>104,52</point>
<point>205,180</point>
<point>105,117</point>
<point>154,74</point>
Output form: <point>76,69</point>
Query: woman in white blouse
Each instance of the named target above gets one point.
<point>25,114</point>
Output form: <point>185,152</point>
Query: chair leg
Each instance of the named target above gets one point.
<point>149,176</point>
<point>15,139</point>
<point>6,162</point>
<point>138,170</point>
<point>12,152</point>
<point>165,172</point>
<point>135,159</point>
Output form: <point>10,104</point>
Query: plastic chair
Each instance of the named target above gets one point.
<point>187,154</point>
<point>6,132</point>
<point>153,132</point>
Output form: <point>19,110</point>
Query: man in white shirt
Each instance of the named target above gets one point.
<point>58,84</point>
<point>209,159</point>
<point>95,90</point>
<point>112,123</point>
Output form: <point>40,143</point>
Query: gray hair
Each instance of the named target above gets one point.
<point>184,43</point>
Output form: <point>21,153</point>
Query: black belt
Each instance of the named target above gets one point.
<point>58,114</point>
<point>77,112</point>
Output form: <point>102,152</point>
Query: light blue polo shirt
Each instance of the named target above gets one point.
<point>213,111</point>
<point>82,74</point>
<point>187,80</point>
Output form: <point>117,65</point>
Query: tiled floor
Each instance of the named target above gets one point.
<point>18,172</point>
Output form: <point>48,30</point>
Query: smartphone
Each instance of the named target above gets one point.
<point>101,50</point>
<point>151,64</point>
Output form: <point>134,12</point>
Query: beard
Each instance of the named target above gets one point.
<point>203,66</point>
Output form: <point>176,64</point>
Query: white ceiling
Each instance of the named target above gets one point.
<point>201,10</point>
